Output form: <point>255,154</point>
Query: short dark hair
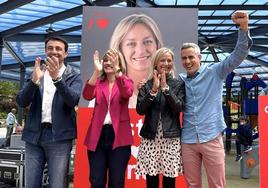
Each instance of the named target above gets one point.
<point>57,38</point>
<point>245,118</point>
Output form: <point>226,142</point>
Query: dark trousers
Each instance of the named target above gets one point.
<point>107,160</point>
<point>245,141</point>
<point>8,136</point>
<point>153,182</point>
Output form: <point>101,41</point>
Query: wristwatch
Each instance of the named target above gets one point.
<point>37,82</point>
<point>57,79</point>
<point>165,90</point>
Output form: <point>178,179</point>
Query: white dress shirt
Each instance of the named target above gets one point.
<point>48,95</point>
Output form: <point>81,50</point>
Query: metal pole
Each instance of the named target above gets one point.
<point>22,79</point>
<point>1,54</point>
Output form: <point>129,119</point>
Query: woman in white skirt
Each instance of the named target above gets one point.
<point>161,100</point>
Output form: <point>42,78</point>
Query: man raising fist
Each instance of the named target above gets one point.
<point>203,120</point>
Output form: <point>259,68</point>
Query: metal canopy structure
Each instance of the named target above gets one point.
<point>25,25</point>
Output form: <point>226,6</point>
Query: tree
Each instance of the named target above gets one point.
<point>8,91</point>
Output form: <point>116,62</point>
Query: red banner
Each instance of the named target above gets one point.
<point>263,139</point>
<point>81,172</point>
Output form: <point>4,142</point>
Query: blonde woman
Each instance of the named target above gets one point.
<point>137,37</point>
<point>161,100</point>
<point>109,137</point>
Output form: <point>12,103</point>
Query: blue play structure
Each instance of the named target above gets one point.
<point>247,101</point>
<point>250,102</point>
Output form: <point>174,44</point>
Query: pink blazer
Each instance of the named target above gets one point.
<point>121,92</point>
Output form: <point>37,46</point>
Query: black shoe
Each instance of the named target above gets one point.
<point>238,158</point>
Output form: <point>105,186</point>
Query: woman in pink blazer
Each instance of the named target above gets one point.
<point>109,136</point>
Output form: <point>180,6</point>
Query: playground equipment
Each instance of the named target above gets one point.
<point>246,103</point>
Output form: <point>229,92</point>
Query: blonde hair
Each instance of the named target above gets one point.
<point>122,63</point>
<point>156,59</point>
<point>126,24</point>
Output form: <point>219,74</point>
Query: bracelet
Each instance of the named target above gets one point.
<point>153,93</point>
<point>165,90</point>
<point>118,71</point>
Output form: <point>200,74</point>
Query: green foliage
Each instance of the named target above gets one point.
<point>3,115</point>
<point>8,91</point>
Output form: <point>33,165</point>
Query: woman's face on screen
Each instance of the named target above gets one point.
<point>138,46</point>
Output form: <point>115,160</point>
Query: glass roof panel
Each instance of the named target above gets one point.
<point>32,13</point>
<point>223,13</point>
<point>7,58</point>
<point>254,53</point>
<point>204,33</point>
<point>256,2</point>
<point>7,17</point>
<point>43,31</point>
<point>229,21</point>
<point>165,2</point>
<point>260,37</point>
<point>260,69</point>
<point>63,24</point>
<point>36,10</point>
<point>233,2</point>
<point>75,32</point>
<point>210,2</point>
<point>208,28</point>
<point>78,2</point>
<point>222,56</point>
<point>28,51</point>
<point>214,21</point>
<point>245,71</point>
<point>260,13</point>
<point>264,68</point>
<point>262,21</point>
<point>201,21</point>
<point>247,63</point>
<point>264,58</point>
<point>250,63</point>
<point>187,2</point>
<point>67,4</point>
<point>70,22</point>
<point>205,12</point>
<point>34,7</point>
<point>74,49</point>
<point>216,33</point>
<point>226,28</point>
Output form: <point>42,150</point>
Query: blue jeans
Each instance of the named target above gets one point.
<point>55,154</point>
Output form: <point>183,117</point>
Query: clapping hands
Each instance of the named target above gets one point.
<point>111,56</point>
<point>38,71</point>
<point>96,60</point>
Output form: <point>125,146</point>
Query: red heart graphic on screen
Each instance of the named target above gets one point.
<point>102,23</point>
<point>90,23</point>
